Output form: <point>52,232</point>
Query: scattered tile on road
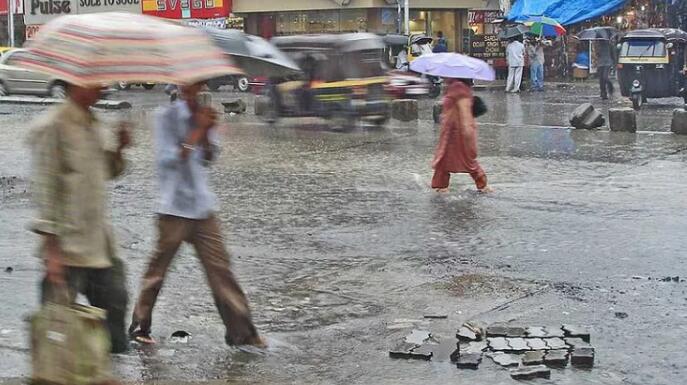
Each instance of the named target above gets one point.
<point>504,359</point>
<point>466,334</point>
<point>534,357</point>
<point>515,331</point>
<point>556,358</point>
<point>473,347</point>
<point>554,331</point>
<point>517,345</point>
<point>447,350</point>
<point>498,343</point>
<point>436,316</point>
<point>536,332</point>
<point>477,327</point>
<point>530,372</point>
<point>423,352</point>
<point>537,344</point>
<point>555,343</point>
<point>469,361</point>
<point>577,343</point>
<point>497,330</point>
<point>402,350</point>
<point>418,337</point>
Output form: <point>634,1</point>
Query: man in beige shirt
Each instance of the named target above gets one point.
<point>71,168</point>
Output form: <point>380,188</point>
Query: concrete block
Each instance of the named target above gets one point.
<point>555,343</point>
<point>556,358</point>
<point>417,337</point>
<point>474,347</point>
<point>424,352</point>
<point>504,359</point>
<point>622,119</point>
<point>402,350</point>
<point>582,357</point>
<point>536,332</point>
<point>530,372</point>
<point>679,123</point>
<point>537,344</point>
<point>574,343</point>
<point>497,330</point>
<point>586,117</point>
<point>404,110</point>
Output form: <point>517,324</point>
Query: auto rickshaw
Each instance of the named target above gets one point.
<point>343,80</point>
<point>651,64</point>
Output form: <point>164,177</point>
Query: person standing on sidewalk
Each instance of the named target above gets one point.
<point>185,141</point>
<point>456,151</point>
<point>604,62</point>
<point>515,56</point>
<point>535,52</point>
<point>71,168</point>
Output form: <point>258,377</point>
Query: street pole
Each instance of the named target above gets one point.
<point>10,21</point>
<point>406,17</point>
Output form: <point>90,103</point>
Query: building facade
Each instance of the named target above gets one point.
<point>268,18</point>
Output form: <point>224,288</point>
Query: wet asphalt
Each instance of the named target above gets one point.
<point>342,247</point>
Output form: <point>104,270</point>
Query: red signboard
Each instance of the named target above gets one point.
<point>187,9</point>
<point>18,6</point>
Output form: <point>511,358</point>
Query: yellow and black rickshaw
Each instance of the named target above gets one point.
<point>651,64</point>
<point>343,80</point>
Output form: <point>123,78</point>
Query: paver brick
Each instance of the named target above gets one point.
<point>504,359</point>
<point>534,357</point>
<point>537,344</point>
<point>424,352</point>
<point>497,330</point>
<point>554,331</point>
<point>536,332</point>
<point>498,344</point>
<point>556,343</point>
<point>530,372</point>
<point>469,361</point>
<point>517,345</point>
<point>556,358</point>
<point>577,343</point>
<point>402,350</point>
<point>418,337</point>
<point>577,332</point>
<point>582,357</point>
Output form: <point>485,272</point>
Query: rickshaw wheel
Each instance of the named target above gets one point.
<point>342,121</point>
<point>637,102</point>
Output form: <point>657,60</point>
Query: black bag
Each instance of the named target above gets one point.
<point>478,106</point>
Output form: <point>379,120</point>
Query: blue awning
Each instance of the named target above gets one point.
<point>565,12</point>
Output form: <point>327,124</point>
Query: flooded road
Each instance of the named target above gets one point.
<point>342,247</point>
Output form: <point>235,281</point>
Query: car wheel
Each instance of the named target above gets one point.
<point>3,90</point>
<point>123,85</point>
<point>148,86</point>
<point>58,91</point>
<point>242,84</point>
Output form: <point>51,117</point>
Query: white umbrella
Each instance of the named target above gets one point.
<point>453,65</point>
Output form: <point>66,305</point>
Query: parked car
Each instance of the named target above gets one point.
<point>240,83</point>
<point>17,80</point>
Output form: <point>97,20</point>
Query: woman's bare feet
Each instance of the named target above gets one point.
<point>486,190</point>
<point>441,190</point>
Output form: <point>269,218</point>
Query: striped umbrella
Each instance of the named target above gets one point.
<point>103,48</point>
<point>544,26</point>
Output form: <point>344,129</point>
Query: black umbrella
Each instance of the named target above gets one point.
<point>255,55</point>
<point>597,33</point>
<point>513,31</point>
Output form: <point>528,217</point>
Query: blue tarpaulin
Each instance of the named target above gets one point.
<point>565,12</point>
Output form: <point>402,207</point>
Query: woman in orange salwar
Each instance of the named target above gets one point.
<point>457,148</point>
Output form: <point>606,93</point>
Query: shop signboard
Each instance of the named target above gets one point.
<point>487,47</point>
<point>18,6</point>
<point>481,16</point>
<point>187,9</point>
<point>42,11</point>
<point>219,23</point>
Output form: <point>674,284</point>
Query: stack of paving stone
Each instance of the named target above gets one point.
<point>530,352</point>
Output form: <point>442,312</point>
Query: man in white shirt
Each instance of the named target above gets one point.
<point>515,56</point>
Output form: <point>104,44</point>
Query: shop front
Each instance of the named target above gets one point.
<point>271,17</point>
<point>481,38</point>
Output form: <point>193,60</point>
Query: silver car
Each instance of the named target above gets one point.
<point>17,80</point>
